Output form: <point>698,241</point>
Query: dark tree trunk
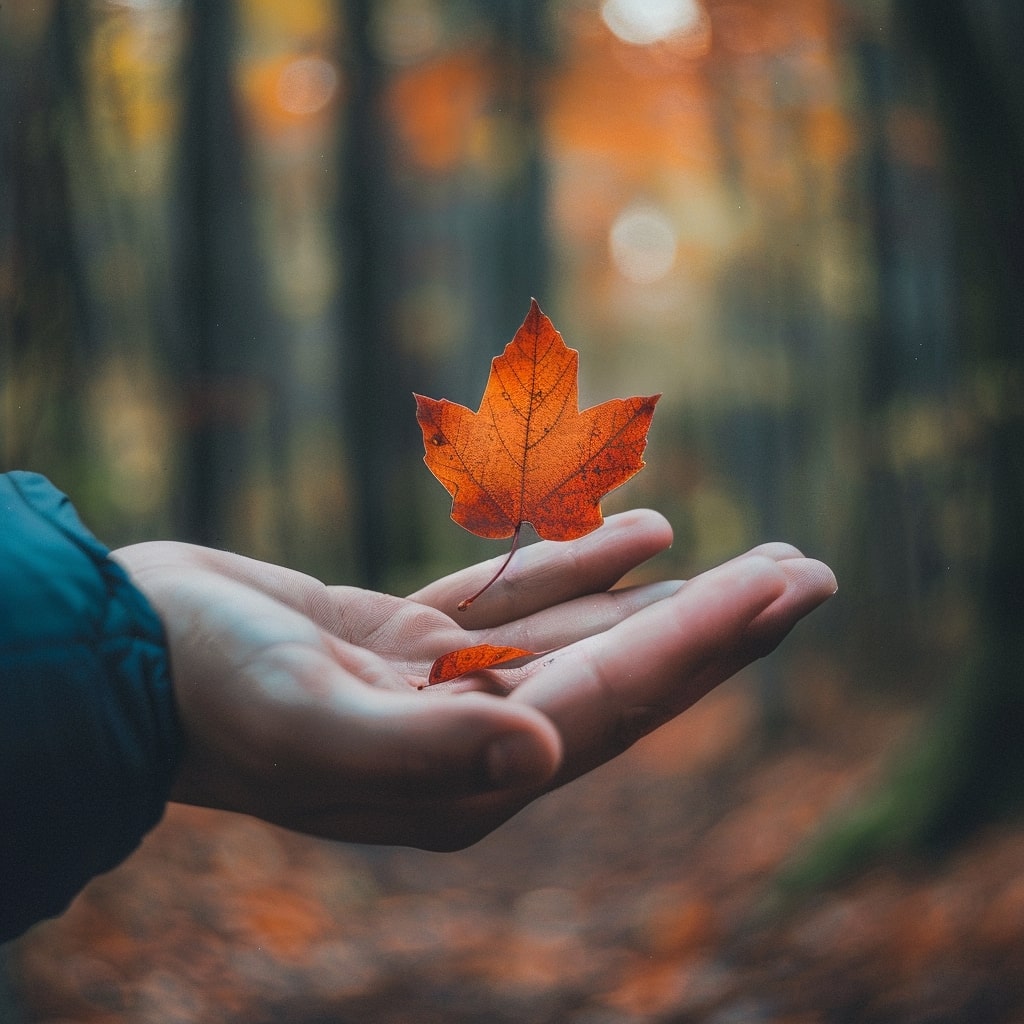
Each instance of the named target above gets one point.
<point>376,406</point>
<point>219,348</point>
<point>45,343</point>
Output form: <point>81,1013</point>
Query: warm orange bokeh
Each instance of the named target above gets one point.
<point>436,108</point>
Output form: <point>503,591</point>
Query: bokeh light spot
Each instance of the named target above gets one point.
<point>643,22</point>
<point>643,244</point>
<point>306,85</point>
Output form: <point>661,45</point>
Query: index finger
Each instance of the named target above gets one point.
<point>545,574</point>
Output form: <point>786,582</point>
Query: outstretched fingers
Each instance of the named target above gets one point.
<point>574,620</point>
<point>607,691</point>
<point>550,572</point>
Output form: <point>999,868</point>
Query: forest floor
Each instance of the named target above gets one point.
<point>637,894</point>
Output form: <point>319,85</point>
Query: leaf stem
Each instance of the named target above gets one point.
<point>463,605</point>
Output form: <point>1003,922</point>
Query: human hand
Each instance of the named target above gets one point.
<point>299,705</point>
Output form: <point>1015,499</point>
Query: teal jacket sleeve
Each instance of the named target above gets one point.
<point>89,737</point>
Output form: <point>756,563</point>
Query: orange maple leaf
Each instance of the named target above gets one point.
<point>528,455</point>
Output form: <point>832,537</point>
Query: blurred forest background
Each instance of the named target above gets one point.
<point>235,237</point>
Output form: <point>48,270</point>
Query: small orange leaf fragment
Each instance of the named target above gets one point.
<point>471,659</point>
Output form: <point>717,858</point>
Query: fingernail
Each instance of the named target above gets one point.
<point>516,759</point>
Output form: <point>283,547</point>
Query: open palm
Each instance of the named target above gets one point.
<point>300,705</point>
